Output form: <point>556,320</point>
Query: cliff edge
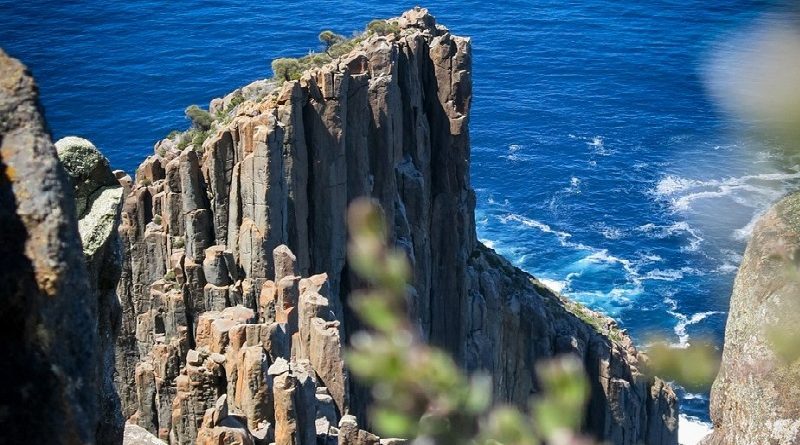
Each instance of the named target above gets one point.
<point>58,275</point>
<point>755,396</point>
<point>220,329</point>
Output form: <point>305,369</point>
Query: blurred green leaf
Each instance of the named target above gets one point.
<point>375,309</point>
<point>419,391</point>
<point>693,367</point>
<point>508,426</point>
<point>785,341</point>
<point>480,393</point>
<point>393,423</point>
<point>565,393</point>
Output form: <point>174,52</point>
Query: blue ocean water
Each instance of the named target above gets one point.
<point>600,162</point>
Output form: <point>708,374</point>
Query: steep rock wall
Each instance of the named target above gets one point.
<point>389,120</point>
<point>58,308</point>
<point>755,396</point>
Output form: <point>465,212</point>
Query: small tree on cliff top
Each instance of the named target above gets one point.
<point>330,38</point>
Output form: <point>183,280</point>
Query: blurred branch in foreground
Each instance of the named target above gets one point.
<point>419,390</point>
<point>693,367</point>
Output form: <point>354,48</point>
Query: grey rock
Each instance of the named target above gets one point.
<point>55,360</point>
<point>215,266</point>
<point>136,435</point>
<point>98,196</point>
<point>88,169</point>
<point>754,398</point>
<point>351,434</point>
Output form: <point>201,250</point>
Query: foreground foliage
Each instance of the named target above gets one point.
<point>419,390</point>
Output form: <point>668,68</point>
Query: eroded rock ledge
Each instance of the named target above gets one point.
<point>219,334</point>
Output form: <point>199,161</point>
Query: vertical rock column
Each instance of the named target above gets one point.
<point>48,320</point>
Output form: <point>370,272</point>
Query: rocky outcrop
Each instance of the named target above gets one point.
<point>98,200</point>
<point>755,396</point>
<point>55,374</point>
<point>137,435</point>
<point>245,376</point>
<point>217,323</point>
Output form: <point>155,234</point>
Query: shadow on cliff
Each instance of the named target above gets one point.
<point>27,375</point>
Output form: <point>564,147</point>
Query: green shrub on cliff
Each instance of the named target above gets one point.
<point>198,137</point>
<point>336,45</point>
<point>419,390</point>
<point>382,27</point>
<point>201,119</point>
<point>170,276</point>
<point>286,69</point>
<point>236,100</point>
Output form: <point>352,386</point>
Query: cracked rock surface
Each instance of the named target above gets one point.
<point>235,282</point>
<point>58,314</point>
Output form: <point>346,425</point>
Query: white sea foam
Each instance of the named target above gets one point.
<point>620,296</point>
<point>514,153</point>
<point>684,321</point>
<point>692,430</point>
<point>609,232</point>
<point>730,263</point>
<point>745,232</point>
<point>670,184</point>
<point>671,274</point>
<point>556,285</point>
<point>681,193</point>
<point>597,144</point>
<point>528,222</point>
<point>694,396</point>
<point>650,258</point>
<point>601,256</point>
<point>574,185</point>
<point>675,229</point>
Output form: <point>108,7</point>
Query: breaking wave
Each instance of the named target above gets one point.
<point>684,321</point>
<point>692,430</point>
<point>681,193</point>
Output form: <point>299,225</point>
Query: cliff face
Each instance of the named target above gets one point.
<point>200,231</point>
<point>59,306</point>
<point>755,396</point>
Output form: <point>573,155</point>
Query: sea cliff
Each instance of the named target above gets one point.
<point>755,396</point>
<point>233,281</point>
<point>387,120</point>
